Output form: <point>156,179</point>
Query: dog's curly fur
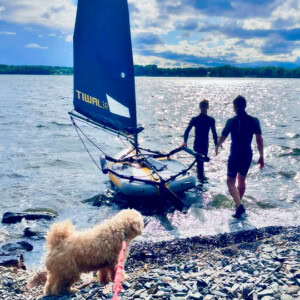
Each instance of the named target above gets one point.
<point>72,252</point>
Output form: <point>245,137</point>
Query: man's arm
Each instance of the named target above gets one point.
<point>186,133</point>
<point>223,137</point>
<point>214,132</point>
<point>260,148</point>
<point>220,142</point>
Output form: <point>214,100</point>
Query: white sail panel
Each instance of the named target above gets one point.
<point>117,108</point>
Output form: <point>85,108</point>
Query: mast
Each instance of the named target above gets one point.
<point>136,143</point>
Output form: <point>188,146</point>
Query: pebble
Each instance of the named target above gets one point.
<point>268,271</point>
<point>292,289</point>
<point>286,297</point>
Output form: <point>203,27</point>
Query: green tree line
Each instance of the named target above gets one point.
<point>223,71</point>
<point>153,70</point>
<point>35,70</point>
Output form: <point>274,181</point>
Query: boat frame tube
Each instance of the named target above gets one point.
<point>162,181</point>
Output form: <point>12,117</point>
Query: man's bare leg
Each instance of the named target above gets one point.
<point>233,191</point>
<point>241,185</point>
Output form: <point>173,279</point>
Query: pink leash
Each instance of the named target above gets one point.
<point>117,288</point>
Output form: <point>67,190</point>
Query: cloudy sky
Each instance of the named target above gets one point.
<point>168,33</point>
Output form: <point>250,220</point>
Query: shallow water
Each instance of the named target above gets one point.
<point>44,165</point>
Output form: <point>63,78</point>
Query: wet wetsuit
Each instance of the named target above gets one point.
<point>242,128</point>
<point>202,123</point>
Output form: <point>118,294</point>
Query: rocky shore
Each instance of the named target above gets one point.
<point>255,264</point>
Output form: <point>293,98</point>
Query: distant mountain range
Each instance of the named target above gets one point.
<point>153,70</point>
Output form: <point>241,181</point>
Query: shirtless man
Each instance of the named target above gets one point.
<point>242,128</point>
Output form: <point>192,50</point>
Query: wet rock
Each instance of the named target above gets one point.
<point>8,261</point>
<point>34,235</point>
<point>21,262</point>
<point>249,246</point>
<point>228,252</point>
<point>11,255</point>
<point>12,218</point>
<point>17,247</point>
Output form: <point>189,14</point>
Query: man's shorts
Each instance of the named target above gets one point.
<point>238,164</point>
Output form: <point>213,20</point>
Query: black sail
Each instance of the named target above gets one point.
<point>104,88</point>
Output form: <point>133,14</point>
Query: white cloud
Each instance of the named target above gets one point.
<point>1,9</point>
<point>52,34</point>
<point>56,14</point>
<point>7,33</point>
<point>289,10</point>
<point>36,46</point>
<point>69,38</point>
<point>147,18</point>
<point>252,24</point>
<point>161,62</point>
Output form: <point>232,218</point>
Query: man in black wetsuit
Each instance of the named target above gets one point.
<point>242,128</point>
<point>202,123</point>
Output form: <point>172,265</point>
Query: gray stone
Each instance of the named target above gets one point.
<point>178,287</point>
<point>266,292</point>
<point>275,287</point>
<point>293,289</point>
<point>218,293</point>
<point>148,285</point>
<point>126,285</point>
<point>195,295</point>
<point>286,297</point>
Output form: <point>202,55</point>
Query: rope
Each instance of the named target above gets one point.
<point>119,268</point>
<point>87,150</point>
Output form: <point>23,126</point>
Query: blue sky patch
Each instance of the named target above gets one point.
<point>182,33</point>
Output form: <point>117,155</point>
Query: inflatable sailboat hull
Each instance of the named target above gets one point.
<point>167,167</point>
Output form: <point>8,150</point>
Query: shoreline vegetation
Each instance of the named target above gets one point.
<point>153,70</point>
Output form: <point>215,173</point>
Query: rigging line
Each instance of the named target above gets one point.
<point>76,128</point>
<point>105,130</point>
<point>123,142</point>
<point>97,127</point>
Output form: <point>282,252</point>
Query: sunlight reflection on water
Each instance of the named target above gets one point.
<point>44,165</point>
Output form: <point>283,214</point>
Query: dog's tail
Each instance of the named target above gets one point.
<point>59,232</point>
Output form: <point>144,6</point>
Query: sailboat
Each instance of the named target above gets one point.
<point>104,96</point>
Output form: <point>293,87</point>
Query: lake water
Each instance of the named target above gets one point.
<point>44,165</point>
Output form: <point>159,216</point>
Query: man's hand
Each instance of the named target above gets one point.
<point>183,145</point>
<point>220,143</point>
<point>217,150</point>
<point>261,162</point>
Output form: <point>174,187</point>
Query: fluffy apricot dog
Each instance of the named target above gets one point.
<point>72,252</point>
